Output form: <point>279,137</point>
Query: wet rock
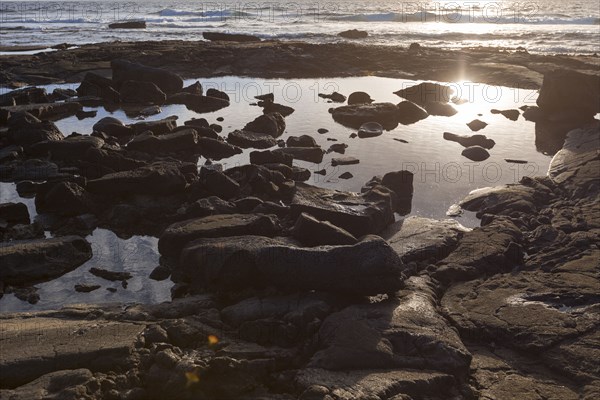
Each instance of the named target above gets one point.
<point>409,113</point>
<point>476,153</point>
<point>197,123</point>
<point>64,198</point>
<point>354,116</point>
<point>73,147</point>
<point>353,34</point>
<point>477,125</point>
<point>10,153</point>
<point>426,92</point>
<point>128,25</point>
<point>334,97</point>
<point>472,140</point>
<point>216,149</point>
<point>247,204</point>
<point>194,88</point>
<point>513,115</point>
<point>14,213</point>
<point>218,94</point>
<point>344,161</point>
<point>414,47</point>
<point>35,170</point>
<point>211,205</point>
<point>423,239</point>
<point>218,183</point>
<point>95,85</point>
<point>167,81</point>
<point>257,180</point>
<point>230,264</point>
<point>301,141</point>
<point>569,91</point>
<point>29,95</point>
<point>400,182</point>
<point>309,154</point>
<point>113,127</point>
<point>198,103</point>
<point>357,214</point>
<point>269,97</point>
<point>86,114</point>
<point>272,124</point>
<point>338,148</point>
<point>505,200</point>
<point>405,331</point>
<point>271,157</point>
<point>160,273</point>
<point>346,175</point>
<point>229,37</point>
<point>158,178</point>
<point>147,142</point>
<point>83,288</point>
<point>141,93</point>
<point>370,129</point>
<point>278,108</point>
<point>312,232</point>
<point>300,174</point>
<point>322,131</point>
<point>158,127</point>
<point>30,261</point>
<point>439,108</point>
<point>25,130</point>
<point>359,98</point>
<point>178,235</point>
<point>248,139</point>
<point>110,275</point>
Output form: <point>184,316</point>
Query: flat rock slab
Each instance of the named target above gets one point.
<point>176,236</point>
<point>32,347</point>
<point>29,261</point>
<point>424,239</point>
<point>235,263</point>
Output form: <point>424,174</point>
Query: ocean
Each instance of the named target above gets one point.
<point>549,27</point>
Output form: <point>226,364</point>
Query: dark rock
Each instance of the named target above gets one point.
<point>248,139</point>
<point>14,213</point>
<point>218,94</point>
<point>335,97</point>
<point>414,47</point>
<point>218,183</point>
<point>312,232</point>
<point>568,91</point>
<point>141,93</point>
<point>353,34</point>
<point>86,114</point>
<point>409,113</point>
<point>198,103</point>
<point>26,130</point>
<point>272,124</point>
<point>322,130</point>
<point>194,88</point>
<point>426,92</point>
<point>439,108</point>
<point>98,86</point>
<point>269,97</point>
<point>338,148</point>
<point>147,142</point>
<point>301,141</point>
<point>309,154</point>
<point>359,98</point>
<point>468,141</point>
<point>268,207</point>
<point>300,174</point>
<point>400,182</point>
<point>176,236</point>
<point>158,127</point>
<point>271,157</point>
<point>128,25</point>
<point>35,170</point>
<point>211,205</point>
<point>64,198</point>
<point>477,125</point>
<point>216,127</point>
<point>346,175</point>
<point>160,273</point>
<point>29,95</point>
<point>368,267</point>
<point>370,129</point>
<point>113,127</point>
<point>247,204</point>
<point>476,153</point>
<point>167,81</point>
<point>110,275</point>
<point>157,178</point>
<point>73,147</point>
<point>513,115</point>
<point>216,149</point>
<point>30,261</point>
<point>83,288</point>
<point>278,108</point>
<point>354,116</point>
<point>344,161</point>
<point>197,123</point>
<point>229,37</point>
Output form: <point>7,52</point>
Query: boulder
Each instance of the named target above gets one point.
<point>73,147</point>
<point>400,182</point>
<point>31,261</point>
<point>353,34</point>
<point>167,81</point>
<point>271,157</point>
<point>568,91</point>
<point>197,102</point>
<point>367,268</point>
<point>158,127</point>
<point>179,234</point>
<point>14,213</point>
<point>270,107</point>
<point>426,92</point>
<point>217,94</point>
<point>472,140</point>
<point>337,148</point>
<point>28,95</point>
<point>183,140</point>
<point>95,85</point>
<point>229,37</point>
<point>25,130</point>
<point>216,149</point>
<point>141,93</point>
<point>370,129</point>
<point>359,98</point>
<point>409,113</point>
<point>301,141</point>
<point>439,108</point>
<point>65,199</point>
<point>248,139</point>
<point>309,154</point>
<point>113,127</point>
<point>312,232</point>
<point>355,115</point>
<point>218,183</point>
<point>272,124</point>
<point>160,178</point>
<point>211,205</point>
<point>476,153</point>
<point>194,88</point>
<point>128,25</point>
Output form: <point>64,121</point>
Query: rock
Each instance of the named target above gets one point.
<point>47,111</point>
<point>194,88</point>
<point>426,92</point>
<point>83,288</point>
<point>534,114</point>
<point>10,153</point>
<point>155,179</point>
<point>439,108</point>
<point>400,182</point>
<point>113,127</point>
<point>269,97</point>
<point>64,198</point>
<point>160,273</point>
<point>359,98</point>
<point>567,91</point>
<point>178,235</point>
<point>197,123</point>
<point>216,149</point>
<point>229,37</point>
<point>418,239</point>
<point>354,116</point>
<point>338,148</point>
<point>73,147</point>
<point>28,95</point>
<point>167,81</point>
<point>158,127</point>
<point>414,47</point>
<point>409,113</point>
<point>301,141</point>
<point>476,153</point>
<point>110,275</point>
<point>300,174</point>
<point>128,25</point>
<point>312,232</point>
<point>198,103</point>
<point>247,204</point>
<point>322,131</point>
<point>405,331</point>
<point>468,141</point>
<point>272,124</point>
<point>513,115</point>
<point>14,213</point>
<point>30,130</point>
<point>95,85</point>
<point>334,97</point>
<point>86,114</point>
<point>30,261</point>
<point>346,175</point>
<point>248,139</point>
<point>477,125</point>
<point>270,107</point>
<point>216,127</point>
<point>234,263</point>
<point>183,140</point>
<point>211,205</point>
<point>370,129</point>
<point>357,214</point>
<point>353,34</point>
<point>271,157</point>
<point>149,111</point>
<point>218,183</point>
<point>141,93</point>
<point>309,154</point>
<point>35,170</point>
<point>218,94</point>
<point>344,161</point>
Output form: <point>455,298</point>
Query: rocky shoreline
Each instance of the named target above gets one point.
<point>284,290</point>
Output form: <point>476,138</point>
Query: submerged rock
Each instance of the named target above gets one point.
<point>472,140</point>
